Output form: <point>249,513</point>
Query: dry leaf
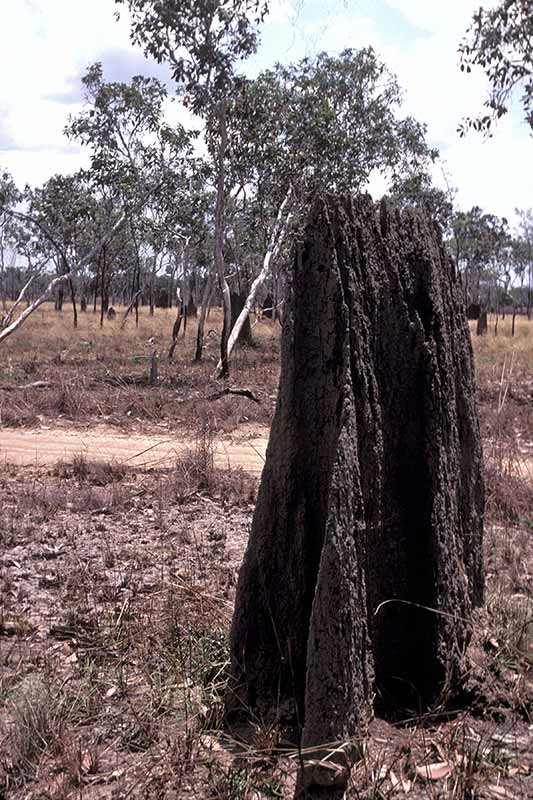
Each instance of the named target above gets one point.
<point>393,779</point>
<point>88,763</point>
<point>510,740</point>
<point>435,772</point>
<point>500,791</point>
<point>210,743</point>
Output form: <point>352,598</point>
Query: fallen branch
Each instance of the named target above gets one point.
<point>240,392</point>
<point>34,385</point>
<point>9,315</point>
<point>33,307</point>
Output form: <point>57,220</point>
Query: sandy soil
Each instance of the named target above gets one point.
<point>50,445</point>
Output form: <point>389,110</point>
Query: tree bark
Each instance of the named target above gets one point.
<point>96,280</point>
<point>7,318</point>
<point>219,239</point>
<point>529,290</point>
<point>244,330</point>
<point>242,318</point>
<point>21,319</point>
<point>180,317</point>
<point>134,299</point>
<point>365,556</point>
<point>58,305</point>
<point>482,323</point>
<point>201,322</point>
<point>104,300</point>
<point>72,299</point>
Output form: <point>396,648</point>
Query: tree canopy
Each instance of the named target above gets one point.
<point>500,42</point>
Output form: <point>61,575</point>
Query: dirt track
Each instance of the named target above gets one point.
<point>51,445</point>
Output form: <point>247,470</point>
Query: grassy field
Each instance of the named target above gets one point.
<point>102,374</point>
<point>116,584</point>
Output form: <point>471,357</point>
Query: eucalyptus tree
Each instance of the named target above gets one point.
<point>500,42</point>
<point>478,242</point>
<point>524,252</point>
<point>59,219</point>
<point>174,218</point>
<point>417,191</point>
<point>61,213</point>
<point>9,198</point>
<point>319,126</point>
<point>17,282</point>
<point>202,41</point>
<point>135,154</point>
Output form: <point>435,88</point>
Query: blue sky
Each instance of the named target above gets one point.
<point>45,46</point>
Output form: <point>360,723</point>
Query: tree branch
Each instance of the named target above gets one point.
<point>33,307</point>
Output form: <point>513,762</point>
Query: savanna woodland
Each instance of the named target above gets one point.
<point>267,438</point>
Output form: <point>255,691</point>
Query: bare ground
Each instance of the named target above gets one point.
<point>49,445</point>
<point>116,588</point>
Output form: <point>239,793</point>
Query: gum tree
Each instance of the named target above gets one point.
<point>9,197</point>
<point>478,241</point>
<point>202,41</point>
<point>58,221</point>
<point>500,42</point>
<point>318,126</point>
<point>524,252</point>
<point>135,156</point>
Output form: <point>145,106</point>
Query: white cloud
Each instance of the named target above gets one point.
<point>45,46</point>
<point>488,173</point>
<point>452,16</point>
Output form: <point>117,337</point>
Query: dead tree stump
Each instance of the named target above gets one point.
<point>365,556</point>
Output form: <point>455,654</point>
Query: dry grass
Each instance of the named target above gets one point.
<point>102,374</point>
<point>113,623</point>
<point>504,370</point>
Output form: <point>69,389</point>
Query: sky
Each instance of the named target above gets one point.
<point>46,45</point>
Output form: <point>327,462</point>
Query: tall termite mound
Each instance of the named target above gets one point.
<point>365,556</point>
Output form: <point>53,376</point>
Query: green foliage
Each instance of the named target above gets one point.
<point>9,231</point>
<point>9,194</point>
<point>317,126</point>
<point>324,124</point>
<point>500,41</point>
<point>522,247</point>
<point>201,40</point>
<point>479,237</point>
<point>124,126</point>
<point>416,191</point>
<point>482,247</point>
<point>64,214</point>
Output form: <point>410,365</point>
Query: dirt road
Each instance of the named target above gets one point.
<point>50,445</point>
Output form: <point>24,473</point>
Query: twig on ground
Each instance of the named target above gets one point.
<point>241,392</point>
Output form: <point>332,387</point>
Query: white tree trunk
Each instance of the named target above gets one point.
<point>56,281</point>
<point>33,307</point>
<point>9,315</point>
<point>219,240</point>
<point>276,239</point>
